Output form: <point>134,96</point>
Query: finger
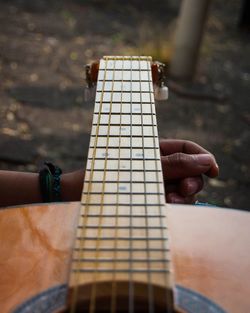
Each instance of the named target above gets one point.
<point>190,186</point>
<point>181,165</point>
<point>171,186</point>
<point>178,199</point>
<point>171,146</point>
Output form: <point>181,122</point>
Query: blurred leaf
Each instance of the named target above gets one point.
<point>74,56</point>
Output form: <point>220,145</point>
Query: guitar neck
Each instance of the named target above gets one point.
<point>121,231</point>
<point>124,145</point>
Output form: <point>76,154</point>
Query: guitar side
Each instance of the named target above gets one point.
<point>210,249</point>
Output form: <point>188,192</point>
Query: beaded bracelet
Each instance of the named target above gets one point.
<point>49,178</point>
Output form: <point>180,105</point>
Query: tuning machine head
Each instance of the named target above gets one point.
<point>158,76</point>
<point>91,74</point>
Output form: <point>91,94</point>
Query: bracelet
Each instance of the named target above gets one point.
<point>49,179</point>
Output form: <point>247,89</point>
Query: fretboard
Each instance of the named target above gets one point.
<point>122,230</point>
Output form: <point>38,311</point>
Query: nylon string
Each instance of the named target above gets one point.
<point>94,285</point>
<point>113,294</point>
<point>150,287</point>
<point>87,202</point>
<point>159,179</point>
<point>131,285</point>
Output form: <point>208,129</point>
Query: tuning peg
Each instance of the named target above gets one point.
<point>158,75</point>
<point>91,72</point>
<point>160,92</point>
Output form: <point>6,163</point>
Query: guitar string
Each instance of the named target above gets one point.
<point>131,104</point>
<point>86,206</point>
<point>159,179</point>
<point>149,284</point>
<point>113,288</point>
<point>131,285</point>
<point>92,307</point>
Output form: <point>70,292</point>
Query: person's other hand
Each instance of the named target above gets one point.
<point>183,164</point>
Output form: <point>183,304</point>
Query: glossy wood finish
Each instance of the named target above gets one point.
<point>211,253</point>
<point>210,249</point>
<point>35,249</point>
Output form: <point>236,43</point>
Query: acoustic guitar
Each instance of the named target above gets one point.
<point>111,252</point>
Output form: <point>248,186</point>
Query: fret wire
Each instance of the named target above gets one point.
<point>125,216</point>
<point>122,147</point>
<point>106,260</point>
<point>122,227</point>
<point>119,102</point>
<point>125,80</point>
<point>125,193</point>
<point>117,124</point>
<point>128,69</point>
<point>123,170</point>
<point>117,113</point>
<point>126,159</point>
<point>128,204</point>
<point>130,239</point>
<point>103,249</point>
<point>126,91</point>
<point>75,293</point>
<point>128,136</point>
<point>124,181</point>
<point>110,270</point>
<point>126,58</point>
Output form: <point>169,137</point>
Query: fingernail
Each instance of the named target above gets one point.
<point>203,159</point>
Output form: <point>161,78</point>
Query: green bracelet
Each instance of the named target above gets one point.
<point>49,178</point>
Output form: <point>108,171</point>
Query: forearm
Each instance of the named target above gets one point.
<point>18,188</point>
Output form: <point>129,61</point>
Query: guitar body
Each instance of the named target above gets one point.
<point>210,249</point>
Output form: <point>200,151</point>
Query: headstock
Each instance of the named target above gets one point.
<point>158,77</point>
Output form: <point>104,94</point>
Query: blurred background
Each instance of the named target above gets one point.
<point>44,46</point>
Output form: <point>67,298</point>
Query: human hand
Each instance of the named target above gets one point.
<point>183,164</point>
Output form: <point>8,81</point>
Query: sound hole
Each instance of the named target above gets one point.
<point>53,300</point>
<point>122,298</point>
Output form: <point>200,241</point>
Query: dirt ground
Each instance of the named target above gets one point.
<point>44,116</point>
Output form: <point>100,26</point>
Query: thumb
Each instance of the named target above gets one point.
<point>180,165</point>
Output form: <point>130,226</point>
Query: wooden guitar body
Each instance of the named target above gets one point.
<point>210,251</point>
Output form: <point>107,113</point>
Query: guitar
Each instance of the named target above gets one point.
<point>111,252</point>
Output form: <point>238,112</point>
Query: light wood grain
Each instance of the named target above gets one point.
<point>123,185</point>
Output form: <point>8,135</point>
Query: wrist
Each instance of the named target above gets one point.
<point>71,185</point>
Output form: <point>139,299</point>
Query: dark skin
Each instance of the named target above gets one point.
<point>183,163</point>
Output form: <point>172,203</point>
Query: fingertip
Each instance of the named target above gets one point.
<point>190,186</point>
<point>213,171</point>
<point>175,198</point>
